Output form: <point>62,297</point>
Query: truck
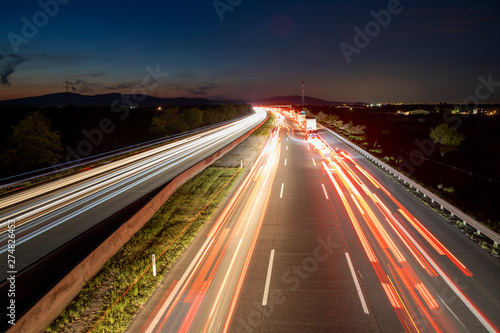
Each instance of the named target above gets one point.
<point>311,125</point>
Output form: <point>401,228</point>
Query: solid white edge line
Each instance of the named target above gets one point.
<point>448,281</point>
<point>217,299</point>
<point>356,282</point>
<point>324,190</point>
<point>177,287</point>
<point>281,193</point>
<point>268,278</point>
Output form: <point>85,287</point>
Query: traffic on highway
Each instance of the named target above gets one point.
<point>317,239</point>
<point>61,209</point>
<point>314,237</point>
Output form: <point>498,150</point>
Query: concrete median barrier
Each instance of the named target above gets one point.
<point>51,305</point>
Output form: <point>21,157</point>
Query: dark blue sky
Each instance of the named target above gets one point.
<point>429,51</point>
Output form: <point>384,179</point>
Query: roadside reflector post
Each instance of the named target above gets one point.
<point>154,265</point>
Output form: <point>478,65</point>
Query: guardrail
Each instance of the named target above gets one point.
<point>102,156</point>
<point>47,307</point>
<point>454,211</point>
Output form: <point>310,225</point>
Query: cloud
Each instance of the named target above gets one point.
<point>49,57</point>
<point>82,86</point>
<point>124,85</point>
<point>203,89</point>
<point>8,66</point>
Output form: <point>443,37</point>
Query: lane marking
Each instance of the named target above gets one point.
<point>281,193</point>
<point>356,282</point>
<point>224,282</point>
<point>485,322</point>
<point>314,162</point>
<point>286,147</point>
<point>174,292</point>
<point>268,278</point>
<point>324,190</point>
<point>285,161</point>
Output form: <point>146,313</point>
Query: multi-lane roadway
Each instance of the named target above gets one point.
<point>49,215</point>
<point>317,239</point>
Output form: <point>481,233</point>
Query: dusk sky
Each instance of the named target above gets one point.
<point>243,49</point>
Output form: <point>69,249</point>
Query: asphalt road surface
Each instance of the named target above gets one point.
<point>49,215</point>
<point>317,239</point>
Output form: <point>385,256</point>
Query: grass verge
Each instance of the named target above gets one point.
<point>267,126</point>
<point>101,304</point>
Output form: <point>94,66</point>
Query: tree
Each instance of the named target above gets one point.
<point>162,125</point>
<point>193,117</point>
<point>229,111</point>
<point>32,144</point>
<point>212,116</point>
<point>447,137</point>
<point>243,109</point>
<point>358,129</point>
<point>321,116</point>
<point>158,126</point>
<point>347,127</point>
<point>338,123</point>
<point>331,119</point>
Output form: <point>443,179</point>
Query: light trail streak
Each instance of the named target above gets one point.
<point>408,295</point>
<point>45,214</point>
<point>18,197</point>
<point>219,294</point>
<point>272,170</point>
<point>431,239</point>
<point>354,220</point>
<point>221,268</point>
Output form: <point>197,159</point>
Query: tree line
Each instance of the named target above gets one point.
<point>33,144</point>
<point>174,120</point>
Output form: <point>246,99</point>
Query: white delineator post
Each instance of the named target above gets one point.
<point>154,265</point>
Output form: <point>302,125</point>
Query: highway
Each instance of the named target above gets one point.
<point>317,239</point>
<point>51,214</point>
<point>199,299</point>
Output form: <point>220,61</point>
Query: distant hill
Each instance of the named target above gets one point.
<point>294,100</point>
<point>61,99</point>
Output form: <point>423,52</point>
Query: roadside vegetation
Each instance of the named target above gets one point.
<point>448,153</point>
<point>31,143</point>
<point>102,305</point>
<point>266,128</point>
<point>174,120</point>
<point>446,137</point>
<point>37,139</point>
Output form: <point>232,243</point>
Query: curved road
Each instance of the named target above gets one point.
<point>49,215</point>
